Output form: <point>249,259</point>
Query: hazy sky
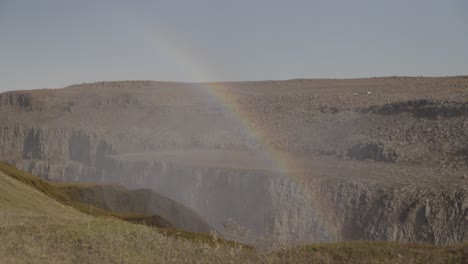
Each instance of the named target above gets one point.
<point>46,43</point>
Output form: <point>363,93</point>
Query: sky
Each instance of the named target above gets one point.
<point>52,44</point>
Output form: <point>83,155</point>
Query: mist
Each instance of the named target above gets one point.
<point>296,161</point>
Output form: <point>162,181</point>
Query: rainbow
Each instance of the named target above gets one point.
<point>261,132</point>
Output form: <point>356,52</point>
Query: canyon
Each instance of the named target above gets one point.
<point>299,160</point>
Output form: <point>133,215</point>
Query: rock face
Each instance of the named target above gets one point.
<point>316,210</point>
<point>306,160</point>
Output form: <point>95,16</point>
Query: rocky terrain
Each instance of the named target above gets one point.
<point>377,158</point>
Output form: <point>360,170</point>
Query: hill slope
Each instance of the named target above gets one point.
<point>98,199</point>
<point>17,198</point>
<point>34,228</point>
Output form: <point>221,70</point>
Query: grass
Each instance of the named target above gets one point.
<point>40,222</point>
<point>54,240</point>
<point>20,199</point>
<point>104,241</point>
<point>82,197</point>
<point>88,199</point>
<point>378,252</point>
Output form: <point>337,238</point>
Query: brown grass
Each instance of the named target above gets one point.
<point>34,228</point>
<point>73,195</point>
<point>83,197</point>
<point>52,240</point>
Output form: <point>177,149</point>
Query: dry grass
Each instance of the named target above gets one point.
<point>54,240</point>
<point>19,198</point>
<point>70,194</point>
<point>82,197</point>
<point>377,252</point>
<point>34,228</point>
<point>47,240</point>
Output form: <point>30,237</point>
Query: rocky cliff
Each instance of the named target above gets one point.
<point>382,158</point>
<point>320,208</point>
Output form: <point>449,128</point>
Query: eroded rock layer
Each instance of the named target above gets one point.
<point>379,158</point>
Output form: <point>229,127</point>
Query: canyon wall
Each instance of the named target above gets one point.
<point>396,150</point>
<point>259,200</point>
<point>316,210</point>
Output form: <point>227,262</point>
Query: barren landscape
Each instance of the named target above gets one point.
<point>304,160</point>
<point>234,131</point>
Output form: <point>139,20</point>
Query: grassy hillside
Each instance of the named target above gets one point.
<point>17,198</point>
<point>82,197</point>
<point>44,222</point>
<point>97,200</point>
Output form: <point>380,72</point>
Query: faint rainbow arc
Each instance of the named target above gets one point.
<point>284,162</point>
